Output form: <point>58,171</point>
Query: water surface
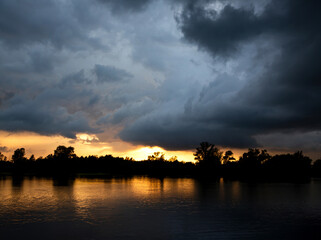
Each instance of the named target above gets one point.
<point>151,208</point>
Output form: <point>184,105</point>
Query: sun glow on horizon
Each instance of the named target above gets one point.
<point>143,152</point>
<point>84,144</point>
<point>87,138</point>
<point>88,144</point>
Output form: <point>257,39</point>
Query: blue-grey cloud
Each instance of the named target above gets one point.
<point>59,24</point>
<point>119,6</point>
<point>282,97</point>
<point>110,74</point>
<point>165,72</point>
<point>33,115</point>
<point>74,78</point>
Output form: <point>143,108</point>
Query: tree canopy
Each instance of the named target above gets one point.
<point>19,155</point>
<point>63,152</point>
<point>208,155</point>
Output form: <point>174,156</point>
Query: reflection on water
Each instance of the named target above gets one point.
<point>152,208</point>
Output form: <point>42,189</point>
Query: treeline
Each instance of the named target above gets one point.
<point>64,162</point>
<point>256,164</point>
<point>210,162</point>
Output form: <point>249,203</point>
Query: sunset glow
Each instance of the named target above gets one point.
<point>84,145</point>
<point>160,119</point>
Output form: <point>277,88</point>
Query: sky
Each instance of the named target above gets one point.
<point>129,78</point>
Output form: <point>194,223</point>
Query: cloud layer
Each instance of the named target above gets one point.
<point>163,72</point>
<point>282,41</point>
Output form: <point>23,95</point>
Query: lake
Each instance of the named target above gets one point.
<point>152,208</point>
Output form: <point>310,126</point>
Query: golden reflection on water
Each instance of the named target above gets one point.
<point>146,208</point>
<point>92,195</point>
<point>229,191</point>
<point>138,187</point>
<point>82,197</point>
<point>82,192</point>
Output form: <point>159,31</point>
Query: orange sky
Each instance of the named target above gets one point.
<point>85,145</point>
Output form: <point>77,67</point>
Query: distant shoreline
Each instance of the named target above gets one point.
<point>254,165</point>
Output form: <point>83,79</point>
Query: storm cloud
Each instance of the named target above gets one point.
<point>126,5</point>
<point>110,74</point>
<point>169,73</point>
<point>57,23</point>
<point>51,112</point>
<point>282,97</point>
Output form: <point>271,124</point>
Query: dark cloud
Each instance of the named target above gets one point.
<point>42,62</point>
<point>62,107</point>
<point>35,116</point>
<point>205,118</point>
<point>128,112</point>
<point>177,133</point>
<point>287,95</point>
<point>74,78</point>
<point>110,74</point>
<point>310,141</point>
<point>222,33</point>
<point>283,97</point>
<point>126,5</point>
<point>257,74</point>
<point>56,23</point>
<point>4,96</point>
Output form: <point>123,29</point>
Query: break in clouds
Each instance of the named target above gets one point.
<point>164,72</point>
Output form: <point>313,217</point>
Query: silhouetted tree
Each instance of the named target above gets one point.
<point>301,162</point>
<point>173,159</point>
<point>254,163</point>
<point>2,157</point>
<point>4,164</point>
<point>62,162</point>
<point>63,152</point>
<point>317,163</point>
<point>317,168</point>
<point>18,156</point>
<point>157,156</point>
<point>129,159</point>
<point>253,158</point>
<point>20,161</point>
<point>32,158</point>
<point>288,165</point>
<point>228,156</point>
<point>208,156</point>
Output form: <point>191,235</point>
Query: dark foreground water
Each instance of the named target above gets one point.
<point>149,208</point>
